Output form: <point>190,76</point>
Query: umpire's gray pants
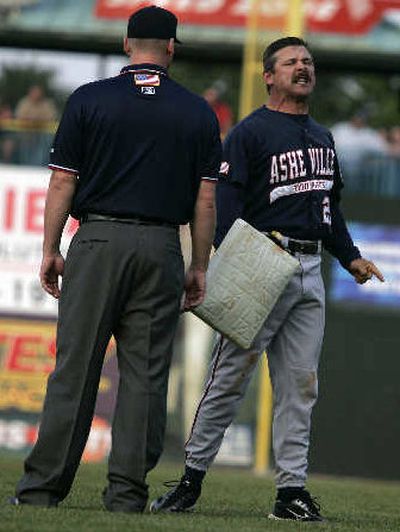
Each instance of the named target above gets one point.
<point>292,336</point>
<point>126,280</point>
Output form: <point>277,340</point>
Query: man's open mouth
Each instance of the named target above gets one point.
<point>302,79</point>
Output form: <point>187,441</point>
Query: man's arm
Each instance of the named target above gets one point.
<point>229,199</point>
<point>202,232</point>
<point>340,244</point>
<point>58,205</point>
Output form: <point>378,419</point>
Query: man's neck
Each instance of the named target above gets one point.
<point>152,59</point>
<point>288,105</point>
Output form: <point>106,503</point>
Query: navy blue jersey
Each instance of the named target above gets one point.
<point>280,173</point>
<point>140,144</point>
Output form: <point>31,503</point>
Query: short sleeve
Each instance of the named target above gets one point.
<point>211,158</point>
<point>67,150</point>
<point>235,156</point>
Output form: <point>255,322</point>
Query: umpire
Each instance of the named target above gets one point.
<point>134,157</point>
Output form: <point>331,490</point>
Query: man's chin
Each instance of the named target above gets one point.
<point>302,93</point>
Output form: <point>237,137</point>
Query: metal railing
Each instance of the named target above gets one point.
<point>373,175</point>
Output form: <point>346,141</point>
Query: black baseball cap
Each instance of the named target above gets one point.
<point>152,22</point>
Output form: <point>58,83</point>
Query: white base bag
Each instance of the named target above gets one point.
<point>245,278</point>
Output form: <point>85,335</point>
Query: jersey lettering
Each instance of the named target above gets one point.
<point>283,166</point>
<point>274,171</point>
<point>298,188</point>
<point>300,155</point>
<point>322,161</point>
<point>288,165</point>
<point>291,164</point>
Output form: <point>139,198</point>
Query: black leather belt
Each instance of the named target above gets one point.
<point>138,220</point>
<point>307,248</point>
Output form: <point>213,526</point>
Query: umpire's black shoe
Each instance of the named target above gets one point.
<point>302,507</point>
<point>181,498</point>
<point>16,501</point>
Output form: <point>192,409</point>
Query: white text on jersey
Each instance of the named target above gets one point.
<point>291,164</point>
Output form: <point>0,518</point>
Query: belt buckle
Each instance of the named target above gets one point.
<point>303,247</point>
<point>307,248</point>
<point>281,241</point>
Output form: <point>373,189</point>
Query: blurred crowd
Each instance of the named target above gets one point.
<point>214,95</point>
<point>369,158</point>
<point>26,132</point>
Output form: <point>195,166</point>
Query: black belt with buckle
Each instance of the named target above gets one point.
<point>307,248</point>
<point>138,220</point>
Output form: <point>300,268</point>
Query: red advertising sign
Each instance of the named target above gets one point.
<point>334,16</point>
<point>347,16</point>
<point>22,200</point>
<point>27,356</point>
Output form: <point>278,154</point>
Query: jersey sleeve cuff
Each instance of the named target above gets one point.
<point>212,179</point>
<point>63,168</point>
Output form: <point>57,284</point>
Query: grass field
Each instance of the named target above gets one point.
<point>232,500</point>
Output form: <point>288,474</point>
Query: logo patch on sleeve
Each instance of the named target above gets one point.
<point>224,168</point>
<point>148,80</point>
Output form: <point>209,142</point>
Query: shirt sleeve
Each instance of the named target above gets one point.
<point>235,157</point>
<point>233,176</point>
<point>339,243</point>
<point>211,158</point>
<point>338,183</point>
<point>230,204</point>
<point>67,150</point>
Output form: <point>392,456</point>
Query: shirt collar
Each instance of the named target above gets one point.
<point>146,67</point>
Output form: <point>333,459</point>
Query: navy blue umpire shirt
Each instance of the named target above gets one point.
<point>279,172</point>
<point>140,144</point>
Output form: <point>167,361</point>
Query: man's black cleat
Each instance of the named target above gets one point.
<point>14,501</point>
<point>302,507</point>
<point>181,498</point>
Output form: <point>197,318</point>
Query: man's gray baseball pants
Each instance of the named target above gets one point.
<point>292,336</point>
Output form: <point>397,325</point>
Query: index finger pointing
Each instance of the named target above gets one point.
<point>375,271</point>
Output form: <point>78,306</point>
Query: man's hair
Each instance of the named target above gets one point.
<point>148,45</point>
<point>269,58</point>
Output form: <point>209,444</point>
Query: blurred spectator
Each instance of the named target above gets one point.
<point>355,142</point>
<point>214,96</point>
<point>37,114</point>
<point>7,140</point>
<point>394,141</point>
<point>36,107</point>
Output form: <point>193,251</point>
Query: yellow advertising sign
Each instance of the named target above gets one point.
<point>27,356</point>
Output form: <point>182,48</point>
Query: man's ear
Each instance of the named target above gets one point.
<point>127,47</point>
<point>171,47</point>
<point>268,78</point>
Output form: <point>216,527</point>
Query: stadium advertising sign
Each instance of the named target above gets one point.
<point>22,200</point>
<point>381,244</point>
<point>27,348</point>
<point>331,16</point>
<point>27,356</point>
